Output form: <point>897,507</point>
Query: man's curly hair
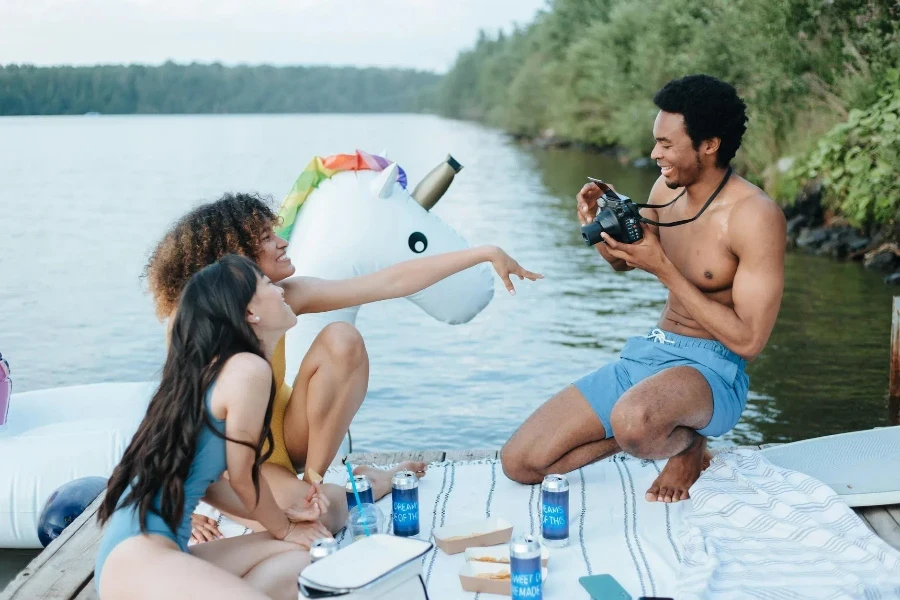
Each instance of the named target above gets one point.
<point>233,224</point>
<point>711,108</point>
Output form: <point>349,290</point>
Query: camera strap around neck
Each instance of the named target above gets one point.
<point>695,217</point>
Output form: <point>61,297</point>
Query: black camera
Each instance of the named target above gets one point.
<point>618,216</point>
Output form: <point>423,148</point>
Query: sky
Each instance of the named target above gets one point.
<point>419,34</point>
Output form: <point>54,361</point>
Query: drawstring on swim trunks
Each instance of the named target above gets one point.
<point>659,336</point>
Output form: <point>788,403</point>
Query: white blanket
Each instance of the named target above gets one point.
<point>759,531</point>
<point>753,530</point>
<point>613,529</point>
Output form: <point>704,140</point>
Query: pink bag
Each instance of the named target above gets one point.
<point>5,390</point>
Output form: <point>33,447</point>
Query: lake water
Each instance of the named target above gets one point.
<point>83,200</point>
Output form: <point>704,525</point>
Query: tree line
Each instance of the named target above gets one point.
<point>214,88</point>
<point>818,77</point>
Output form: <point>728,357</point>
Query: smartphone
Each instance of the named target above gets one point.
<point>604,587</point>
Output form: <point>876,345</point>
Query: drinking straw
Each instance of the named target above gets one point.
<point>356,494</point>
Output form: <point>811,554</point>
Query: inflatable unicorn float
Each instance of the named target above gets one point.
<point>346,215</point>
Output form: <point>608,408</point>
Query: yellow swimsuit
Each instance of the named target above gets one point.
<point>280,454</point>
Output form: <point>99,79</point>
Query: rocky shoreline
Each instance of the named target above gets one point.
<point>811,229</point>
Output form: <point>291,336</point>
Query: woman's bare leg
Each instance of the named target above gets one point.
<point>277,575</point>
<point>328,391</point>
<point>267,564</point>
<point>149,566</point>
<point>381,478</point>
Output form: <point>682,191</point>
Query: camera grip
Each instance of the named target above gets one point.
<point>633,230</point>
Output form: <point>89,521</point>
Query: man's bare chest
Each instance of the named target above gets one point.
<point>700,252</point>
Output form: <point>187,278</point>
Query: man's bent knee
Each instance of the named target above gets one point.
<point>344,344</point>
<point>634,430</point>
<point>517,466</point>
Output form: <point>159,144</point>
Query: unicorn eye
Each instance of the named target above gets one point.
<point>418,242</point>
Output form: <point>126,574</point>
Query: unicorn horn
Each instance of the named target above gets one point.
<point>433,185</point>
<point>383,186</point>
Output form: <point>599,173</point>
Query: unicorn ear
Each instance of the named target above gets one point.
<point>383,186</point>
<point>383,153</point>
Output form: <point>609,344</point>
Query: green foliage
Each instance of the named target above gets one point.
<point>588,70</point>
<point>195,88</point>
<point>859,161</point>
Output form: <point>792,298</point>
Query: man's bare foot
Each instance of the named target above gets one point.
<point>680,473</point>
<point>381,478</point>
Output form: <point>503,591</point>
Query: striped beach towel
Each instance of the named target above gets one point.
<point>759,531</point>
<point>752,530</point>
<point>613,529</point>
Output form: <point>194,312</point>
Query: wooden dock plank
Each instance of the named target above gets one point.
<point>391,458</point>
<point>88,593</point>
<point>894,511</point>
<point>464,455</point>
<point>862,518</point>
<point>65,566</point>
<point>882,523</point>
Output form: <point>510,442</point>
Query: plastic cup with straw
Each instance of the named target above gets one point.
<point>359,503</point>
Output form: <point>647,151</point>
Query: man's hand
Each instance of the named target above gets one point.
<point>587,202</point>
<point>204,529</point>
<point>587,211</point>
<point>647,254</point>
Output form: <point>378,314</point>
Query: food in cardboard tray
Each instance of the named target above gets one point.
<point>491,559</point>
<point>498,575</point>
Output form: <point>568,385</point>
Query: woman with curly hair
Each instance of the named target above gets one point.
<point>310,418</point>
<point>211,412</point>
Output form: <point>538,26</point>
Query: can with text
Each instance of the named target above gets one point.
<point>526,579</point>
<point>405,503</point>
<point>555,511</point>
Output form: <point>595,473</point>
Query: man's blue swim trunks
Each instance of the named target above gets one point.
<point>645,356</point>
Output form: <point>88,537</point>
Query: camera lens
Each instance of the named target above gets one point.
<point>606,220</point>
<point>590,233</point>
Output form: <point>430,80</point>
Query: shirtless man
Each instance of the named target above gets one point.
<point>724,272</point>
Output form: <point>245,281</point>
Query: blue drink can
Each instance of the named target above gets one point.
<point>526,580</point>
<point>405,503</point>
<point>555,511</point>
<point>364,487</point>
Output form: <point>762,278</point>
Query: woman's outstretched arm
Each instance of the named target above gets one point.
<point>311,294</point>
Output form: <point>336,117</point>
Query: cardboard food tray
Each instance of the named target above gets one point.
<point>500,553</point>
<point>455,538</point>
<point>468,578</point>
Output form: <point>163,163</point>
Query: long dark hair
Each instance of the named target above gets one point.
<point>210,327</point>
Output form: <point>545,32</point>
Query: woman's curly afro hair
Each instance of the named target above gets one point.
<point>711,108</point>
<point>233,224</point>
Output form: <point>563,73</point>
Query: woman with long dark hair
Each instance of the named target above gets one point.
<point>211,412</point>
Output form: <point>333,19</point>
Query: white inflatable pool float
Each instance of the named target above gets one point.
<point>56,435</point>
<point>351,221</point>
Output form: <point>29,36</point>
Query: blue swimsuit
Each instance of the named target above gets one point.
<point>206,468</point>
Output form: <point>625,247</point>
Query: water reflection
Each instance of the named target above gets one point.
<point>431,385</point>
